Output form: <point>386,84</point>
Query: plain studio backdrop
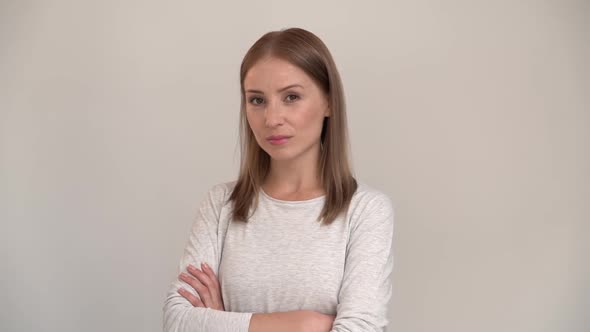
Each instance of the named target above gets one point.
<point>474,116</point>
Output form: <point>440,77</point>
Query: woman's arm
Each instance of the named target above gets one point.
<point>291,321</point>
<point>367,282</point>
<point>206,283</point>
<point>179,315</point>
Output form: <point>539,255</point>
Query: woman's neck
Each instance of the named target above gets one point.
<point>293,183</point>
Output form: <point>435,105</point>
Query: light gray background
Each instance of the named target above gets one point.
<point>117,116</point>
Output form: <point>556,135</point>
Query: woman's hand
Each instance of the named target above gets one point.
<point>206,284</point>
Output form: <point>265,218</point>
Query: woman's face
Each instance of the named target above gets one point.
<point>282,100</point>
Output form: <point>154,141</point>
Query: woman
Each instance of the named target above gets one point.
<point>296,243</point>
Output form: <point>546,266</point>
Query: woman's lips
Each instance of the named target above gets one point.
<point>279,141</point>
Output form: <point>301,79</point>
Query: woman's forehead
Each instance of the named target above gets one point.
<point>273,72</point>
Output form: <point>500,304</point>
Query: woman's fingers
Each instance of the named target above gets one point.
<point>208,271</point>
<point>208,293</point>
<point>213,296</point>
<point>201,276</point>
<point>201,289</point>
<point>216,287</point>
<point>206,284</point>
<point>208,278</point>
<point>191,298</point>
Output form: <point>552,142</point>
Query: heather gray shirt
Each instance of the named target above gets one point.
<point>283,259</point>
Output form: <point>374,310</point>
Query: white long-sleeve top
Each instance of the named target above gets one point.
<point>283,259</point>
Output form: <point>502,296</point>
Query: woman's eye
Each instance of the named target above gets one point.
<point>256,100</point>
<point>292,98</point>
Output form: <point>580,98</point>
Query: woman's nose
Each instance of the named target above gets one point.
<point>273,114</point>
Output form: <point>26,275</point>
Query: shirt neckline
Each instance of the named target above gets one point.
<point>307,201</point>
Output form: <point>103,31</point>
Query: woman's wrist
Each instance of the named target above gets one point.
<point>291,321</point>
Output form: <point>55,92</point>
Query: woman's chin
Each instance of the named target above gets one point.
<point>279,156</point>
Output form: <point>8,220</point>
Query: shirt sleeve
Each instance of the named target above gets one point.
<point>367,282</point>
<point>178,313</point>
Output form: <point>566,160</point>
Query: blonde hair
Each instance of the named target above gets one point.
<point>306,51</point>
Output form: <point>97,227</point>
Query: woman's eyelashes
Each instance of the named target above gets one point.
<point>295,97</point>
<point>255,100</point>
<point>290,98</point>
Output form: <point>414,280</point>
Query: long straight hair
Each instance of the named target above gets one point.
<point>306,51</point>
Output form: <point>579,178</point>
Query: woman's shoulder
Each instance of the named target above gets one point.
<point>367,192</point>
<point>223,186</point>
<point>370,199</point>
<point>220,191</point>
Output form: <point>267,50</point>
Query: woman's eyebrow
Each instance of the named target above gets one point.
<point>279,90</point>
